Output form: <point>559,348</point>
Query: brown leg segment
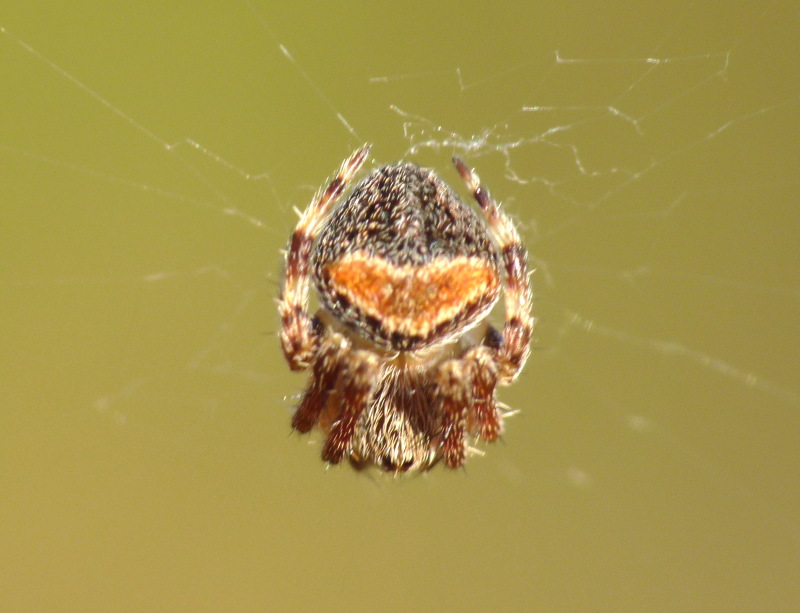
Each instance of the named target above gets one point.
<point>452,390</point>
<point>482,376</point>
<point>357,381</point>
<point>326,371</point>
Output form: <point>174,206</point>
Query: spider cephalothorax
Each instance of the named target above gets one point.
<point>404,364</point>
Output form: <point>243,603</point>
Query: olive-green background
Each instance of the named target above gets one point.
<point>649,154</point>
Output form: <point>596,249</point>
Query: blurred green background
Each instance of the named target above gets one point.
<point>150,158</point>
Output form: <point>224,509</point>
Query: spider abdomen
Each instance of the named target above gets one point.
<point>404,262</point>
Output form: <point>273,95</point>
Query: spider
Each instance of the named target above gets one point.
<point>403,361</point>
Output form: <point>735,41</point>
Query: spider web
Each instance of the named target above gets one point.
<point>654,181</point>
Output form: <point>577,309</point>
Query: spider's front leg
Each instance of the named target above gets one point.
<point>518,328</point>
<point>299,334</point>
<point>358,377</point>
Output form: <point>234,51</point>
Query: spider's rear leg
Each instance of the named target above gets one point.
<point>357,380</point>
<point>482,375</point>
<point>452,389</point>
<point>467,387</point>
<point>327,366</point>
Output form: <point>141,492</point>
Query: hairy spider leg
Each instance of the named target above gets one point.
<point>518,327</point>
<point>357,381</point>
<point>299,338</point>
<point>328,364</point>
<point>454,407</point>
<point>484,419</point>
<point>467,387</point>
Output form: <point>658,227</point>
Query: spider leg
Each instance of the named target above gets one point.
<point>466,387</point>
<point>327,366</point>
<point>514,351</point>
<point>356,384</point>
<point>452,390</point>
<point>482,377</point>
<point>299,339</point>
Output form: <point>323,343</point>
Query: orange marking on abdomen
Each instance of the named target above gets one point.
<point>413,300</point>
